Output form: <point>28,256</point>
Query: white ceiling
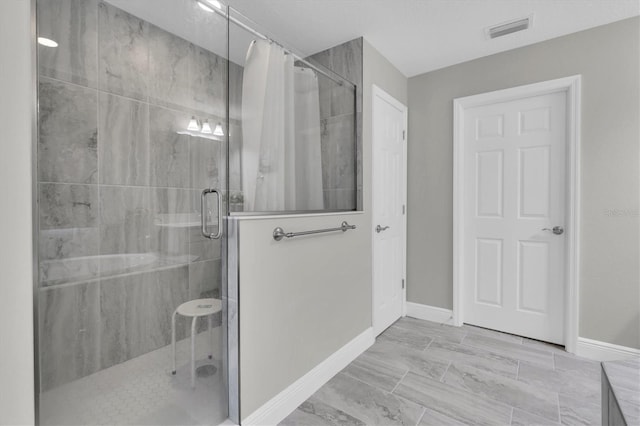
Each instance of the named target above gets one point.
<point>423,35</point>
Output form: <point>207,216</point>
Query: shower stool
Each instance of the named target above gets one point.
<point>195,309</point>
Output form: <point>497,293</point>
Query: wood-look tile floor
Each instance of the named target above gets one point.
<point>424,373</point>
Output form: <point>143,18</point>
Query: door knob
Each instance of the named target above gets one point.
<point>558,230</point>
<point>379,228</point>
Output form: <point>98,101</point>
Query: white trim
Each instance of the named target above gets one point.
<point>280,406</point>
<point>570,85</point>
<point>602,351</point>
<point>379,92</point>
<point>429,313</point>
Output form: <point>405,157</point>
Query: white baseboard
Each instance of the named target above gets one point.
<point>602,351</point>
<point>429,313</point>
<point>281,405</point>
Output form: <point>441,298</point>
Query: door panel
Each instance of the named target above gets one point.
<point>515,167</point>
<point>388,198</point>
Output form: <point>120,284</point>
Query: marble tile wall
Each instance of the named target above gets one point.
<point>342,162</point>
<point>119,188</point>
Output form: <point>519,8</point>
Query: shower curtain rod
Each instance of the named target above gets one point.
<point>298,58</point>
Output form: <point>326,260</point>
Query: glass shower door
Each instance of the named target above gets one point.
<point>132,127</point>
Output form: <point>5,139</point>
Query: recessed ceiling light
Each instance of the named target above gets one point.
<point>205,6</point>
<point>47,42</point>
<point>509,27</point>
<point>215,3</point>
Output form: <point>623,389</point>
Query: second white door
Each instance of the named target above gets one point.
<point>514,154</point>
<point>389,224</point>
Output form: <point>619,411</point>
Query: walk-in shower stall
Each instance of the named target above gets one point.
<point>157,121</point>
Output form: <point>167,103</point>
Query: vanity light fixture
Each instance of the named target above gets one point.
<point>193,125</point>
<point>218,130</point>
<point>47,42</point>
<point>206,128</point>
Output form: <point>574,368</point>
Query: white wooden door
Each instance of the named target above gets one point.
<point>389,224</point>
<point>514,154</point>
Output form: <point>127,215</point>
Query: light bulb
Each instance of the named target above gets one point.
<point>205,7</point>
<point>206,128</point>
<point>47,42</point>
<point>193,125</point>
<point>218,130</point>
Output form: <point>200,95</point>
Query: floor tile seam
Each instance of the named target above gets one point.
<point>445,372</point>
<point>424,411</point>
<point>497,401</point>
<point>363,381</point>
<point>481,357</point>
<point>400,381</point>
<point>511,416</point>
<point>505,353</point>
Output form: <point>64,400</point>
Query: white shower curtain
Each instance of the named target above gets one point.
<point>281,160</point>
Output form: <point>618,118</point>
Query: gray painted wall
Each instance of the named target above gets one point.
<point>16,251</point>
<point>608,59</point>
<point>291,322</point>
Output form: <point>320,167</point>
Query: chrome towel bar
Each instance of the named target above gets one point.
<point>279,233</point>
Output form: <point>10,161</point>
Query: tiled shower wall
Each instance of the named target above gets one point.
<point>341,165</point>
<point>119,240</point>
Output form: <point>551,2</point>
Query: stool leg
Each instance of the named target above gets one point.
<point>193,352</point>
<point>211,336</point>
<point>173,340</point>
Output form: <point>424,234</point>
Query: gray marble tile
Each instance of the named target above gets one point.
<point>551,347</point>
<point>123,132</point>
<point>431,329</point>
<point>522,418</point>
<point>563,382</point>
<point>475,357</point>
<point>367,403</point>
<point>405,337</point>
<point>578,412</point>
<point>569,362</point>
<point>455,403</point>
<point>375,372</point>
<point>68,240</point>
<point>510,349</point>
<point>170,63</point>
<point>204,279</point>
<point>624,373</point>
<point>206,158</point>
<point>434,418</point>
<point>67,139</point>
<point>169,150</point>
<point>73,25</point>
<point>338,152</point>
<point>69,333</point>
<point>171,209</point>
<point>508,391</point>
<point>200,247</point>
<point>126,224</point>
<point>236,73</point>
<point>123,46</point>
<point>136,312</point>
<point>471,329</point>
<point>208,79</point>
<point>406,358</point>
<point>316,413</point>
<point>68,206</point>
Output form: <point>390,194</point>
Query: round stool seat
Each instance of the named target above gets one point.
<point>200,307</point>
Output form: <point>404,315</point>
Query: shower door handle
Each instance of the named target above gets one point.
<point>203,213</point>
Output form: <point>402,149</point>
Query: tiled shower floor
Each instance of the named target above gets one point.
<point>142,391</point>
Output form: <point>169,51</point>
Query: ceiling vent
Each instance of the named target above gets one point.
<point>509,27</point>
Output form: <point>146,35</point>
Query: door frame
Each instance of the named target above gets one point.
<point>380,93</point>
<point>571,86</point>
